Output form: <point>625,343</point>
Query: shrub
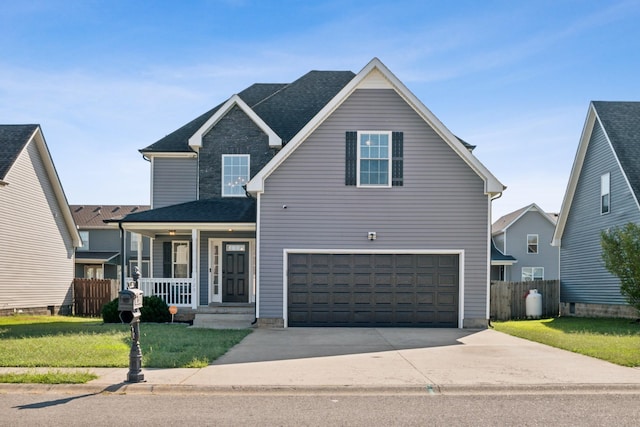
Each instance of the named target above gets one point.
<point>110,312</point>
<point>154,310</point>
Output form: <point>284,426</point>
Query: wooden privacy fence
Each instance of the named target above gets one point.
<point>508,300</point>
<point>89,295</point>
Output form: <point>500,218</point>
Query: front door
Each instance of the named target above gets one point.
<point>235,271</point>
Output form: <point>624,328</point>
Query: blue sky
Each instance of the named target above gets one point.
<point>106,78</point>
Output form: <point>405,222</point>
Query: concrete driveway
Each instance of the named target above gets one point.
<point>371,357</point>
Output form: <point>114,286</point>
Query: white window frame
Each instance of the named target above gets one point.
<point>85,241</point>
<point>135,237</point>
<point>531,273</point>
<point>244,180</point>
<point>389,159</point>
<point>537,244</point>
<point>605,192</point>
<point>174,262</point>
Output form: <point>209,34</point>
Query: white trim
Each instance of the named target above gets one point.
<point>214,243</point>
<point>491,183</point>
<point>459,252</point>
<point>257,243</point>
<point>172,154</point>
<point>195,266</point>
<point>153,229</point>
<point>531,208</point>
<point>532,273</point>
<point>605,190</point>
<point>537,252</point>
<point>251,274</point>
<point>195,141</point>
<point>389,158</point>
<point>173,244</point>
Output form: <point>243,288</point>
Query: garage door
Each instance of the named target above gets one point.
<point>411,290</point>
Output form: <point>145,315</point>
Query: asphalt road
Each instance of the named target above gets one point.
<point>352,409</point>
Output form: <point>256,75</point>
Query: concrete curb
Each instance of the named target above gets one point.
<point>430,389</point>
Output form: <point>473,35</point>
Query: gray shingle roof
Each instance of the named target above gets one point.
<point>497,255</point>
<point>621,121</point>
<point>13,138</point>
<point>178,140</point>
<point>93,216</point>
<point>285,108</point>
<point>226,209</point>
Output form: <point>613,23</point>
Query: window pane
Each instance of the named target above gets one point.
<point>235,170</point>
<point>374,159</point>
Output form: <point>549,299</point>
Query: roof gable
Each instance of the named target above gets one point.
<point>506,221</point>
<point>13,140</point>
<point>620,122</point>
<point>377,75</point>
<point>195,141</point>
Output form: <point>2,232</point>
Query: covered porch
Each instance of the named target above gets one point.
<point>203,253</point>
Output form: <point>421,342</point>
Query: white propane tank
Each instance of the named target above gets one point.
<point>534,304</point>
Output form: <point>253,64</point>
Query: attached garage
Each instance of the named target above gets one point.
<point>373,289</point>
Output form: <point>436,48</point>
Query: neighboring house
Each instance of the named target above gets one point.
<point>37,233</point>
<point>522,242</point>
<point>338,199</point>
<point>603,192</point>
<point>99,255</point>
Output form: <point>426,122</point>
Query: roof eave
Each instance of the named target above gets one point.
<point>195,141</point>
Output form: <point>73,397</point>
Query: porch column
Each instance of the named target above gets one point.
<point>195,263</point>
<point>140,252</point>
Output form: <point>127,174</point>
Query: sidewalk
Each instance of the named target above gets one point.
<point>394,360</point>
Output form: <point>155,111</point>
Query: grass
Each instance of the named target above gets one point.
<point>61,341</point>
<point>613,340</point>
<point>49,377</point>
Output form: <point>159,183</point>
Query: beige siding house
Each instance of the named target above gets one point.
<point>37,233</point>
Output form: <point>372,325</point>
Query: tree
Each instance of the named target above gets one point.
<point>621,256</point>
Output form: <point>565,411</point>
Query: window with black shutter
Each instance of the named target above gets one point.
<point>374,158</point>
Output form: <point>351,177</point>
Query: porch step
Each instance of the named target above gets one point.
<point>224,317</point>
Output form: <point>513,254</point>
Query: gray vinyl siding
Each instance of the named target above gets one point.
<point>442,204</point>
<point>499,242</point>
<point>583,276</point>
<point>175,180</point>
<point>547,256</point>
<point>37,265</point>
<point>104,240</point>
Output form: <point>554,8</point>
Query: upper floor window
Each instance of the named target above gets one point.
<point>532,273</point>
<point>84,235</point>
<point>532,243</point>
<point>374,159</point>
<point>235,174</point>
<point>605,193</point>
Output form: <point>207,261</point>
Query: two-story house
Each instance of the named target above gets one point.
<point>523,241</point>
<point>338,199</point>
<point>99,255</point>
<point>38,236</point>
<point>603,192</point>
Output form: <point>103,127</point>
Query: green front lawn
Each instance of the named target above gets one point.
<point>61,341</point>
<point>614,340</point>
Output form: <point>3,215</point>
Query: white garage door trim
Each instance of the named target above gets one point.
<point>285,269</point>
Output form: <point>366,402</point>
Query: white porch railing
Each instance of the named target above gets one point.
<point>178,292</point>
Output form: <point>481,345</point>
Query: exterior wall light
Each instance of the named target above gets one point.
<point>372,235</point>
